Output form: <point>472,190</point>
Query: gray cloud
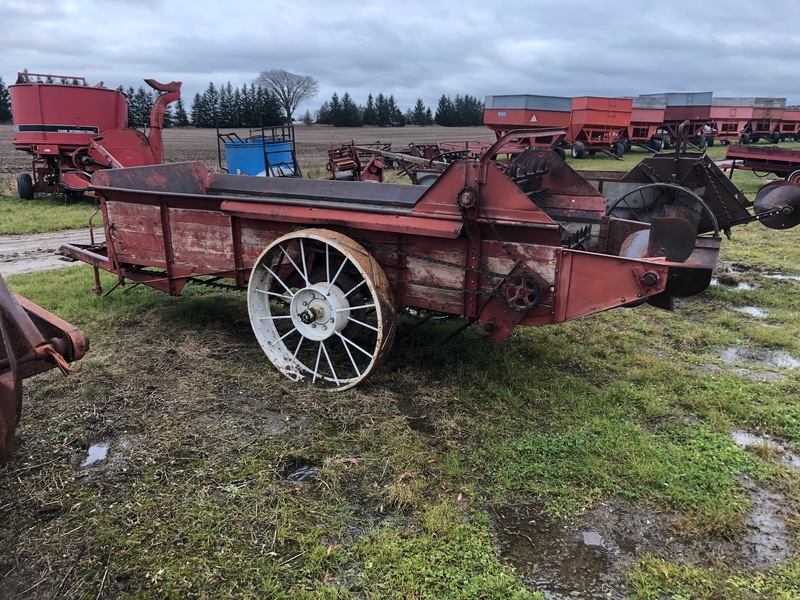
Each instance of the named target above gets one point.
<point>416,49</point>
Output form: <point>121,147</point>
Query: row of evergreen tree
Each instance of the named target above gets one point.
<point>5,103</point>
<point>253,106</point>
<point>382,111</point>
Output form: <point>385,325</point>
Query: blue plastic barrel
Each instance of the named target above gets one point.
<point>246,157</point>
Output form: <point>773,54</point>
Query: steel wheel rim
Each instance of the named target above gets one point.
<point>321,309</point>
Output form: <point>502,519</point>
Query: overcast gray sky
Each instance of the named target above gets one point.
<point>416,49</point>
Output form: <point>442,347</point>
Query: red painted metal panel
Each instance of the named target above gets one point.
<point>65,115</point>
<point>690,113</point>
<point>623,105</point>
<point>510,118</point>
<point>731,112</point>
<point>590,283</point>
<point>653,116</point>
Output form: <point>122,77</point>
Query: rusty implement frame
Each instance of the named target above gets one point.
<point>32,341</point>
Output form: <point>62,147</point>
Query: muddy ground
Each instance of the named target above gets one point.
<point>585,557</point>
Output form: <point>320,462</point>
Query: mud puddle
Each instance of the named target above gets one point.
<point>782,276</point>
<point>739,286</point>
<point>588,557</point>
<point>416,418</point>
<point>767,540</point>
<point>752,311</point>
<point>97,453</point>
<point>745,439</point>
<point>775,359</point>
<point>561,560</point>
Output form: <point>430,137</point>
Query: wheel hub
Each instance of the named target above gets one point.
<point>318,312</point>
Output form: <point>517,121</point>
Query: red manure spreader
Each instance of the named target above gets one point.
<point>328,264</point>
<point>72,130</point>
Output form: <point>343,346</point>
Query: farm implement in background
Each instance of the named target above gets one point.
<point>327,264</point>
<point>766,159</point>
<point>351,162</point>
<point>591,124</point>
<point>265,152</point>
<point>73,130</point>
<point>32,341</point>
<point>425,162</point>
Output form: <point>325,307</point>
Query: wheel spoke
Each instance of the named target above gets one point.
<point>354,345</point>
<point>358,285</point>
<point>316,366</point>
<point>350,355</point>
<point>330,364</point>
<point>367,325</point>
<point>296,350</point>
<point>274,317</point>
<point>288,333</point>
<point>303,262</point>
<point>291,293</point>
<point>327,262</point>
<point>296,268</point>
<point>355,307</point>
<point>276,294</point>
<point>335,277</point>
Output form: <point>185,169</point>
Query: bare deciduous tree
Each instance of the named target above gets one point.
<point>290,88</point>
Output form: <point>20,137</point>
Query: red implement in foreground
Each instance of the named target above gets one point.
<point>328,263</point>
<point>31,341</point>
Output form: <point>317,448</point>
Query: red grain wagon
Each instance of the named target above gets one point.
<point>790,124</point>
<point>694,107</point>
<point>647,115</point>
<point>599,124</point>
<point>766,121</point>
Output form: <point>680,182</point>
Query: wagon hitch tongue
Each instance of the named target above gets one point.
<point>31,341</point>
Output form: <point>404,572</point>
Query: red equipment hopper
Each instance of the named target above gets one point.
<point>50,117</point>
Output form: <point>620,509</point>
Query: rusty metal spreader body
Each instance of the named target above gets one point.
<point>72,130</point>
<point>31,341</point>
<point>328,263</point>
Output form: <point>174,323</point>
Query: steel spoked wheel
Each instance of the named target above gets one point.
<point>321,308</point>
<point>651,200</point>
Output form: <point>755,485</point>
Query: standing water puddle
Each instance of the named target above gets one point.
<point>768,537</point>
<point>768,358</point>
<point>562,561</point>
<point>783,276</point>
<point>743,439</point>
<point>753,311</point>
<point>97,453</point>
<point>739,286</point>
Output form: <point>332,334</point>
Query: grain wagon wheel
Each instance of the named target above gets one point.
<point>794,177</point>
<point>662,194</point>
<point>321,308</point>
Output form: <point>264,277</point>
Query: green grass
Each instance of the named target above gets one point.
<point>43,214</point>
<point>632,406</point>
